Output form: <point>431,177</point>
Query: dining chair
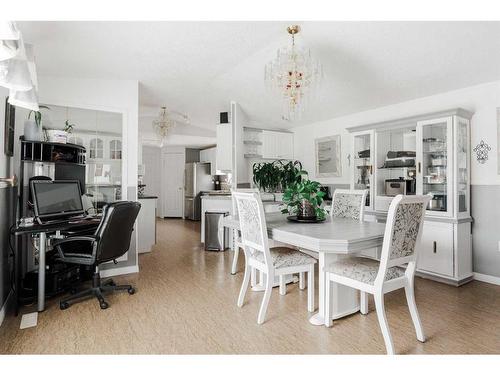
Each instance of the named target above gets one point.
<point>236,234</point>
<point>402,238</point>
<point>276,261</point>
<point>348,204</point>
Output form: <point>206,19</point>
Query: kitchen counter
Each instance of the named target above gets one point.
<point>146,224</point>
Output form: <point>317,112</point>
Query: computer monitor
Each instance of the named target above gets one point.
<point>56,199</point>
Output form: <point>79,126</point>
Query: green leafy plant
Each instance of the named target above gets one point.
<point>37,115</point>
<point>68,128</point>
<point>304,196</point>
<point>275,176</point>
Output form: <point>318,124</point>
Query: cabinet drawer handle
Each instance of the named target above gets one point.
<point>434,247</point>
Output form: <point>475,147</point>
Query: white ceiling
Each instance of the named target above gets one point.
<point>198,67</point>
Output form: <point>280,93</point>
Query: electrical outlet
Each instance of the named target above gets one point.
<point>498,245</point>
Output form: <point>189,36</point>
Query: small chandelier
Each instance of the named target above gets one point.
<point>162,125</point>
<point>293,74</point>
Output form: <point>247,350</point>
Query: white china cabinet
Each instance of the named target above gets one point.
<point>427,154</point>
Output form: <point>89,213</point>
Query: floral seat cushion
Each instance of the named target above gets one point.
<point>286,257</point>
<point>364,270</point>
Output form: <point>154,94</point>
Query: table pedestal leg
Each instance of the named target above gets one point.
<point>345,300</point>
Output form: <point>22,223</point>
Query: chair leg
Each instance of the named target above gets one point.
<point>363,302</point>
<point>382,320</point>
<point>282,285</point>
<point>265,299</point>
<point>234,266</point>
<point>302,280</point>
<point>328,307</point>
<point>244,285</point>
<point>412,306</point>
<point>253,277</point>
<point>310,289</point>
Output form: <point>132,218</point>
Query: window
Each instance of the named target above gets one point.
<point>115,149</point>
<point>96,149</point>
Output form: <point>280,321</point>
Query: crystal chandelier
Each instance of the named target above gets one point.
<point>162,125</point>
<point>293,74</point>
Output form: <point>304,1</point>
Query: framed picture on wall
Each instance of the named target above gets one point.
<point>10,120</point>
<point>328,156</point>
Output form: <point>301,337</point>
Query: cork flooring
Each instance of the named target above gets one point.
<point>186,303</point>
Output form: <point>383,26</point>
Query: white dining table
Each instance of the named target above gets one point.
<point>329,240</point>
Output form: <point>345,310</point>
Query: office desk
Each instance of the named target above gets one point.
<point>42,231</point>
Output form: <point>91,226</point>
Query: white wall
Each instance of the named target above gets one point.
<point>482,100</point>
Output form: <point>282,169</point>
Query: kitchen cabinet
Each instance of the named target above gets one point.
<point>209,155</point>
<point>434,149</point>
<point>277,145</point>
<point>224,149</point>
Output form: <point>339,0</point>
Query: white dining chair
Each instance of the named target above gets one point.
<point>277,261</point>
<point>349,204</point>
<point>401,240</point>
<point>236,233</point>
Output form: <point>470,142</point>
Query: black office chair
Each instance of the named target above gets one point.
<point>110,241</point>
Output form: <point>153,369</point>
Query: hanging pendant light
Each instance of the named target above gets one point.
<point>293,74</point>
<point>27,99</point>
<point>162,125</point>
<point>9,40</point>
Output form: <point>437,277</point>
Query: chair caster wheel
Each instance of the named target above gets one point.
<point>63,305</point>
<point>131,290</point>
<point>104,305</point>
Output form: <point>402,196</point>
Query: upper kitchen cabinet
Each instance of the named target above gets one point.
<point>209,155</point>
<point>224,159</point>
<point>277,145</point>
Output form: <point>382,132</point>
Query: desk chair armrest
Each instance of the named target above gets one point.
<point>91,238</point>
<point>75,256</point>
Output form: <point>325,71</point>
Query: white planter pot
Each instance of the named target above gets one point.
<point>57,136</point>
<point>32,132</point>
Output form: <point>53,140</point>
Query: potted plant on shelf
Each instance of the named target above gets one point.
<point>303,199</point>
<point>33,127</point>
<point>60,136</point>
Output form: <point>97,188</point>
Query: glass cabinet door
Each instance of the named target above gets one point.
<point>462,167</point>
<point>435,166</point>
<point>363,163</point>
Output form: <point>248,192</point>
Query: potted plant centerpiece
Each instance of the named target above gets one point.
<point>33,127</point>
<point>303,200</point>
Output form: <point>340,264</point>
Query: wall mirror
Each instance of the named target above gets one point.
<point>328,157</point>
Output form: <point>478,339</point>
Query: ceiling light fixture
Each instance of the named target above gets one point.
<point>164,123</point>
<point>293,74</point>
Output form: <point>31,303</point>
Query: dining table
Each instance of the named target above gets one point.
<point>327,241</point>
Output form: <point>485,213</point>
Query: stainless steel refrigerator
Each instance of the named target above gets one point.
<point>197,179</point>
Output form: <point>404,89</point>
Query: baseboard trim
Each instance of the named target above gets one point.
<point>487,278</point>
<point>119,271</point>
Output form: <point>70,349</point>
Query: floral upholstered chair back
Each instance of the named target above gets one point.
<point>253,227</point>
<point>403,231</point>
<point>349,204</point>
